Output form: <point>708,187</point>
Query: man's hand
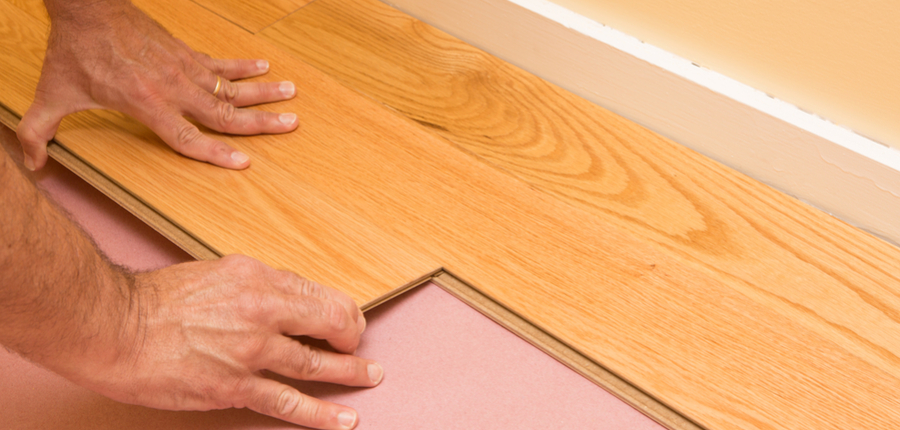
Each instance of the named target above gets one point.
<point>194,336</point>
<point>205,331</point>
<point>109,54</point>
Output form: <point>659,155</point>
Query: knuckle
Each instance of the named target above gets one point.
<point>187,137</point>
<point>242,265</point>
<point>236,259</point>
<point>28,137</point>
<point>285,281</point>
<point>242,392</point>
<point>226,113</point>
<point>309,288</point>
<point>337,316</point>
<point>250,350</point>
<point>253,306</point>
<point>141,90</point>
<point>211,63</point>
<point>185,57</point>
<point>172,70</point>
<point>230,90</point>
<point>308,362</point>
<point>286,402</point>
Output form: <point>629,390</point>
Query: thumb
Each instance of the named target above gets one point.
<point>38,126</point>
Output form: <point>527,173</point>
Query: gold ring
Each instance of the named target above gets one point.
<point>218,86</point>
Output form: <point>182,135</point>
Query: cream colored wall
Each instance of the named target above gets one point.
<point>839,59</point>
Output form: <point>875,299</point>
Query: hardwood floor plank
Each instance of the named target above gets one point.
<point>252,16</point>
<point>737,306</point>
<point>34,8</point>
<point>299,228</point>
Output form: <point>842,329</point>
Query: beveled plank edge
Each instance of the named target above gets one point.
<point>137,207</point>
<point>451,283</point>
<point>581,364</point>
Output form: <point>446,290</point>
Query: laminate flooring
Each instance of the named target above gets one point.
<point>734,304</point>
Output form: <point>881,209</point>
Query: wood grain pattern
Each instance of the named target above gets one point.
<point>34,8</point>
<point>252,16</point>
<point>737,306</point>
<point>761,137</point>
<point>593,160</point>
<point>304,230</point>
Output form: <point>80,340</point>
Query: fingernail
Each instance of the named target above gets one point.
<point>29,162</point>
<point>361,323</point>
<point>287,118</point>
<point>347,419</point>
<point>287,89</point>
<point>262,65</point>
<point>239,157</point>
<point>376,372</point>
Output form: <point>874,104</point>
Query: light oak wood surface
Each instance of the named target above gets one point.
<point>736,305</point>
<point>35,8</point>
<point>299,227</point>
<point>805,156</point>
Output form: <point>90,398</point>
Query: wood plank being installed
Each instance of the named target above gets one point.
<point>298,227</point>
<point>734,304</point>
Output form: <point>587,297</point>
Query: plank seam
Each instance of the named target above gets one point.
<point>284,17</point>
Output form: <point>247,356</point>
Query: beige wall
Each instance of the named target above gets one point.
<point>839,59</point>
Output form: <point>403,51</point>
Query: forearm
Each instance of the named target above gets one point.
<point>59,297</point>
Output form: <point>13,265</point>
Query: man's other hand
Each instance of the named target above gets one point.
<point>109,54</point>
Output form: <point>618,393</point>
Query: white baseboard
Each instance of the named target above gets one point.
<point>805,156</point>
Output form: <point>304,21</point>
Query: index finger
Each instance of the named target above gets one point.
<point>291,283</point>
<point>186,139</point>
<point>321,319</point>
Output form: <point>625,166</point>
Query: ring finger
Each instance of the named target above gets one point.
<point>241,94</point>
<point>226,118</point>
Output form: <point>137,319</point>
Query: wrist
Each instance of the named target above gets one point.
<point>105,329</point>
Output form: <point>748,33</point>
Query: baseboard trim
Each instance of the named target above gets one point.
<point>805,156</point>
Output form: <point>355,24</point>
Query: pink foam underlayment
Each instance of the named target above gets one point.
<point>446,365</point>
